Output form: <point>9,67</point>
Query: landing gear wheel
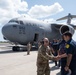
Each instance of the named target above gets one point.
<point>15,48</point>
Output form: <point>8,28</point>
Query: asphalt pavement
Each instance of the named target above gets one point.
<point>19,63</point>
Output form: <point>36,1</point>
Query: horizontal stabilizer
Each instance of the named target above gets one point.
<point>73,16</point>
<point>74,26</point>
<point>63,18</point>
<point>68,17</point>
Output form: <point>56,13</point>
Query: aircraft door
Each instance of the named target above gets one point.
<point>36,37</point>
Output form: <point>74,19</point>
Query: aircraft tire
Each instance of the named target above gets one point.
<point>15,48</point>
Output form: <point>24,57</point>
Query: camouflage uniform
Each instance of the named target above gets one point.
<point>43,61</point>
<point>28,48</point>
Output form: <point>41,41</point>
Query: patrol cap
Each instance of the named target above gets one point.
<point>67,33</point>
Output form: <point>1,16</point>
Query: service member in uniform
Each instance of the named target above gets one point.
<point>29,46</point>
<point>43,58</point>
<point>70,47</point>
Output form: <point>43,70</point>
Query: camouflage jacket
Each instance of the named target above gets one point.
<point>43,55</point>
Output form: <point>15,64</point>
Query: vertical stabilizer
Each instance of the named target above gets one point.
<point>68,17</point>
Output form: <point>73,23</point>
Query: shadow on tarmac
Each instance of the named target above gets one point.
<point>58,73</point>
<point>54,68</point>
<point>10,51</point>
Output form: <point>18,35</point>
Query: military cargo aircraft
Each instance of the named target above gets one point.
<point>22,30</point>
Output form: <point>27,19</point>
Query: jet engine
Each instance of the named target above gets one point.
<point>65,28</point>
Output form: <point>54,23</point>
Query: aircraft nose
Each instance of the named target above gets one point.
<point>6,30</point>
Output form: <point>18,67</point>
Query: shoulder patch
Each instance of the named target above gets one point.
<point>67,46</point>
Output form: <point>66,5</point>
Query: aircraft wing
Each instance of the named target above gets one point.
<point>66,17</point>
<point>74,26</point>
<point>62,18</point>
<point>57,26</point>
<point>63,28</point>
<point>73,16</point>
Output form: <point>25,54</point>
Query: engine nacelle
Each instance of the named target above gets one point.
<point>65,28</point>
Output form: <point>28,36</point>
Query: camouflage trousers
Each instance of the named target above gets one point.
<point>43,69</point>
<point>28,52</point>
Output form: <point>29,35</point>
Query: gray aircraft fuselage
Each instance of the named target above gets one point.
<point>22,30</point>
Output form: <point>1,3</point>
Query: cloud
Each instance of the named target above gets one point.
<point>40,11</point>
<point>73,22</point>
<point>10,9</point>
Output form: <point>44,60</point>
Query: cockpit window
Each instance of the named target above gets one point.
<point>21,22</point>
<point>16,21</point>
<point>13,21</point>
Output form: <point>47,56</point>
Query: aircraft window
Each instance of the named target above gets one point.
<point>16,21</point>
<point>21,22</point>
<point>13,21</point>
<point>14,26</point>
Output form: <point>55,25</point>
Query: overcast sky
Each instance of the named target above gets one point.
<point>48,10</point>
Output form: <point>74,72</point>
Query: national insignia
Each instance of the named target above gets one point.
<point>67,46</point>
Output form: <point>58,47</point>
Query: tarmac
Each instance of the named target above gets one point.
<point>19,63</point>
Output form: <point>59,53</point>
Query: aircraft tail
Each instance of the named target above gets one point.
<point>68,17</point>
